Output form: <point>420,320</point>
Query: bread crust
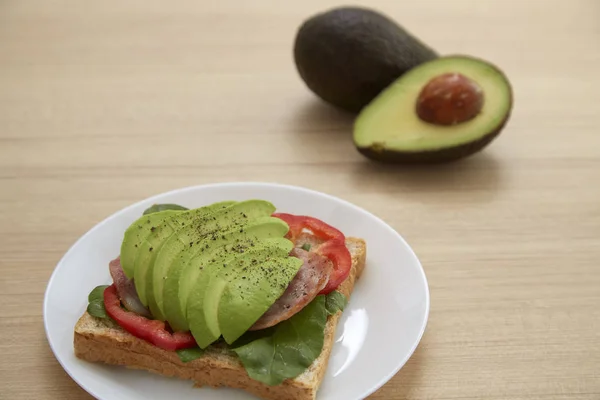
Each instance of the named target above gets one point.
<point>99,340</point>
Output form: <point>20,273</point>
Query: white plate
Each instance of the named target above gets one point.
<point>378,332</point>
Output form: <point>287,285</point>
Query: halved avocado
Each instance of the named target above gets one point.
<point>442,110</point>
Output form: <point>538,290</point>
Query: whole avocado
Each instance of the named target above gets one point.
<point>348,55</point>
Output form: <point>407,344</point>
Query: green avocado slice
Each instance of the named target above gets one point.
<point>203,300</point>
<point>249,295</point>
<point>186,268</point>
<point>136,234</point>
<point>189,236</point>
<point>148,249</point>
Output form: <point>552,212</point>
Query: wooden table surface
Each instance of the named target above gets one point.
<point>105,103</point>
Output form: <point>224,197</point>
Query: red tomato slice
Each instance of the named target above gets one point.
<point>293,222</point>
<point>340,256</point>
<point>152,331</point>
<point>333,247</point>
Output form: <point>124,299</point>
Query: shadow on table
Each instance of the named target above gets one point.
<point>316,116</point>
<point>481,174</point>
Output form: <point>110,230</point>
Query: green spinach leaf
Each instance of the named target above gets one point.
<point>97,293</point>
<point>96,302</point>
<point>334,302</point>
<point>187,355</point>
<point>96,309</point>
<point>291,348</point>
<point>162,207</point>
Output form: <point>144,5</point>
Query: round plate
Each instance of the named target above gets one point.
<point>378,332</point>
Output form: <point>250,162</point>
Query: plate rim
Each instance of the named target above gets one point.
<point>217,185</point>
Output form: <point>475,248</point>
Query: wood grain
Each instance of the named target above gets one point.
<point>105,103</point>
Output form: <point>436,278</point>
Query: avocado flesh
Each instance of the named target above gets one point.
<point>348,55</point>
<point>217,250</point>
<point>149,248</point>
<point>194,229</point>
<point>203,301</point>
<point>184,273</point>
<point>249,295</point>
<point>388,129</point>
<point>136,234</point>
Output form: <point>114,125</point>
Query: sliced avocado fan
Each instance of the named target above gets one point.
<point>186,241</point>
<point>183,275</point>
<point>144,237</point>
<point>213,270</point>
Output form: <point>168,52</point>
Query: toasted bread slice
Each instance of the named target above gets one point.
<point>100,340</point>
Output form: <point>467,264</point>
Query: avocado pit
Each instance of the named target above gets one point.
<point>449,99</point>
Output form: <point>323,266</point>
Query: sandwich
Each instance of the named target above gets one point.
<point>232,294</point>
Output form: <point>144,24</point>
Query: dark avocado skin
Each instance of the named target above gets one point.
<point>348,55</point>
<point>447,154</point>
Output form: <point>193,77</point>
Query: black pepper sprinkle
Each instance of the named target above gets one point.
<point>152,229</point>
<point>135,245</point>
<point>151,248</point>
